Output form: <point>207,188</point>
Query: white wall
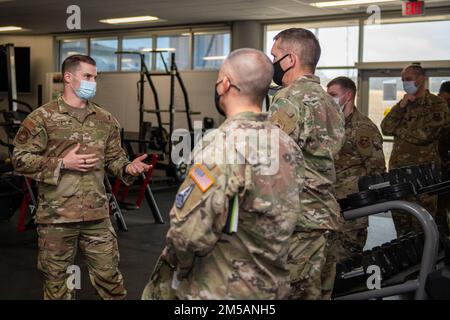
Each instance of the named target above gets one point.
<point>42,61</point>
<point>117,93</point>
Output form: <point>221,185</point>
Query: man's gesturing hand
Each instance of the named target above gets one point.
<point>79,162</point>
<point>136,167</point>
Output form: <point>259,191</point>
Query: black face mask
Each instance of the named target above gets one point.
<point>217,98</point>
<point>278,72</point>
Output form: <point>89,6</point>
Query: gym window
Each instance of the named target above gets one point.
<point>210,49</point>
<point>103,52</point>
<point>131,62</point>
<point>333,36</point>
<point>70,47</point>
<point>173,43</point>
<point>419,41</point>
<point>195,49</point>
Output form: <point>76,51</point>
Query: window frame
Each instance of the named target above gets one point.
<point>150,33</point>
<point>119,47</point>
<point>352,19</point>
<point>140,36</point>
<point>205,33</point>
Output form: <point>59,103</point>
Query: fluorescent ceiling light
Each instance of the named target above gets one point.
<point>10,28</point>
<point>341,3</point>
<point>158,49</point>
<point>214,58</point>
<point>130,20</point>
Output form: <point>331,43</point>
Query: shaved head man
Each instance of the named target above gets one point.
<point>245,76</point>
<point>210,257</point>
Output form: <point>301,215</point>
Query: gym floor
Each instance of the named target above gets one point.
<point>140,246</point>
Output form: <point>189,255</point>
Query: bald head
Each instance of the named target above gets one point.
<point>251,71</point>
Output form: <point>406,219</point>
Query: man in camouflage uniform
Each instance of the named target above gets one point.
<point>415,122</point>
<point>211,259</point>
<point>361,155</point>
<point>309,115</point>
<point>444,151</point>
<point>65,146</point>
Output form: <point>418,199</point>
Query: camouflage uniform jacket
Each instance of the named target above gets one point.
<point>416,129</point>
<point>251,263</point>
<point>309,115</point>
<point>45,137</point>
<point>361,155</point>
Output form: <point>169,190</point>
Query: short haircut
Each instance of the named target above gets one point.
<point>304,43</point>
<point>251,71</point>
<point>445,87</point>
<point>344,83</point>
<point>416,68</point>
<point>72,62</point>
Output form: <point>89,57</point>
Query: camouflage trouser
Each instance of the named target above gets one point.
<point>58,244</point>
<point>349,243</point>
<point>405,222</point>
<point>159,286</point>
<point>312,265</point>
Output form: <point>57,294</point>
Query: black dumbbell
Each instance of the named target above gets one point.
<point>364,183</point>
<point>382,262</point>
<point>400,254</point>
<point>361,199</point>
<point>340,269</point>
<point>388,177</point>
<point>398,176</point>
<point>418,242</point>
<point>410,251</point>
<point>391,257</point>
<point>367,260</point>
<point>356,260</point>
<point>410,175</point>
<point>426,174</point>
<point>397,191</point>
<point>343,204</point>
<point>436,172</point>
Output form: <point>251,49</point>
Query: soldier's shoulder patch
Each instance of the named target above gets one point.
<point>32,125</point>
<point>437,117</point>
<point>364,142</point>
<point>23,135</point>
<point>201,177</point>
<point>183,195</point>
<point>285,120</point>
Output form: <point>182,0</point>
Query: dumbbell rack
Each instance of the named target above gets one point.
<point>429,255</point>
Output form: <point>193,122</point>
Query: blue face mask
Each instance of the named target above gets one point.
<point>87,90</point>
<point>410,87</point>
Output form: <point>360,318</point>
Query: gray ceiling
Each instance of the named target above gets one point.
<point>49,16</point>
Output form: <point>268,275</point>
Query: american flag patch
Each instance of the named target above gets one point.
<point>201,177</point>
